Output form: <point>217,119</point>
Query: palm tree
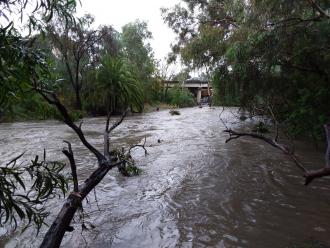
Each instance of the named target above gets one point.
<point>116,87</point>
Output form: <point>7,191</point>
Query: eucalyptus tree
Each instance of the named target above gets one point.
<point>77,46</point>
<point>261,53</point>
<point>137,51</point>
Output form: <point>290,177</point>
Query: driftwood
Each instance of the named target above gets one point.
<point>106,162</point>
<point>309,175</point>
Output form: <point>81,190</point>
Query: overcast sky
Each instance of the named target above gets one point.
<point>120,12</point>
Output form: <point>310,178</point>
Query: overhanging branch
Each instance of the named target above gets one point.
<point>52,99</point>
<point>272,142</point>
<point>309,175</point>
<point>319,9</point>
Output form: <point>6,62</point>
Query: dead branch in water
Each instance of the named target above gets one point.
<point>142,146</point>
<point>309,175</point>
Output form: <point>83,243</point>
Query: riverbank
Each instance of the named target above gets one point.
<point>76,114</point>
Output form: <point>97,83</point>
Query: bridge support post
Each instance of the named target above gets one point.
<point>199,95</point>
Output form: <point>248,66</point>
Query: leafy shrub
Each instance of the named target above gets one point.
<point>181,97</point>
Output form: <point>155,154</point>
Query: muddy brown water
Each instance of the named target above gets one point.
<point>195,190</point>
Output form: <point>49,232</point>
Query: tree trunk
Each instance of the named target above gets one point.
<point>55,233</point>
<point>78,104</point>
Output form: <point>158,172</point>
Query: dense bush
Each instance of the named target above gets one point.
<point>180,97</point>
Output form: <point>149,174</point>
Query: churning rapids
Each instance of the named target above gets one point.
<point>195,190</point>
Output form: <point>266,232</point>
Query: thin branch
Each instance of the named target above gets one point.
<point>108,122</point>
<point>283,148</point>
<point>309,175</point>
<point>109,130</point>
<point>276,122</point>
<point>14,160</point>
<point>319,9</point>
<point>69,154</point>
<point>222,121</point>
<point>291,22</point>
<point>106,138</point>
<point>327,153</point>
<point>142,146</point>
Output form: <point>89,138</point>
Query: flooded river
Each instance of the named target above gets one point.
<point>195,190</point>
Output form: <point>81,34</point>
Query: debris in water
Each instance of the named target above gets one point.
<point>175,112</point>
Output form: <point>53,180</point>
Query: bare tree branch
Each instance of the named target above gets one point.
<point>106,138</point>
<point>327,154</point>
<point>69,154</point>
<point>309,175</point>
<point>319,9</point>
<point>276,122</point>
<point>142,146</point>
<point>14,160</point>
<point>52,99</point>
<point>109,130</point>
<point>283,148</point>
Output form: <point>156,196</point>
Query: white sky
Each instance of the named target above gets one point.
<point>120,12</point>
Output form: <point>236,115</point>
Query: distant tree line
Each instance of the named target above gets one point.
<point>93,70</point>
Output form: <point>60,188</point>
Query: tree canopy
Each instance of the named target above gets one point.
<point>261,53</point>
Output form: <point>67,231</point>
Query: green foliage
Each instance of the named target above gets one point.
<point>70,59</point>
<point>137,52</point>
<point>25,189</point>
<point>180,97</point>
<point>128,167</point>
<point>262,53</point>
<point>23,66</point>
<point>18,64</point>
<point>129,170</point>
<point>153,91</point>
<point>30,107</point>
<point>115,87</point>
<point>225,87</point>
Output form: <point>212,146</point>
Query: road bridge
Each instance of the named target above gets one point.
<point>200,88</point>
